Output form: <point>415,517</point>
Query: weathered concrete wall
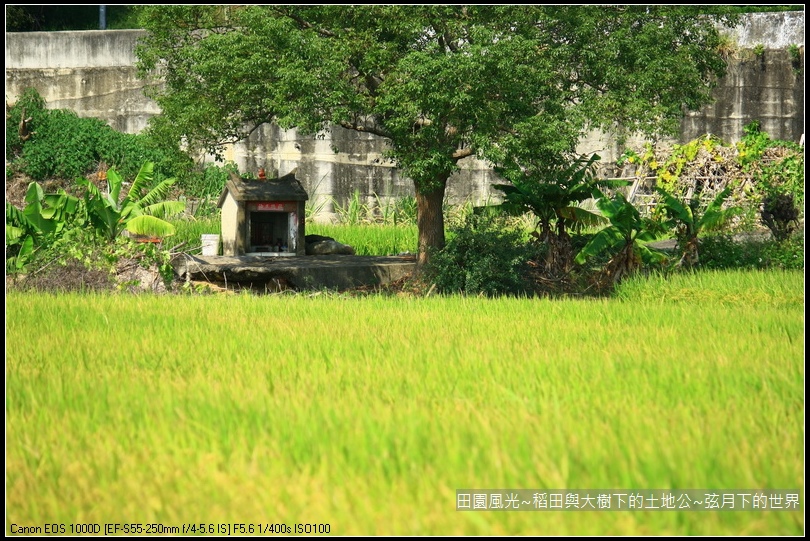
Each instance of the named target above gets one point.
<point>75,49</point>
<point>768,87</point>
<point>113,94</point>
<point>331,178</point>
<point>90,72</point>
<point>93,73</point>
<point>776,30</point>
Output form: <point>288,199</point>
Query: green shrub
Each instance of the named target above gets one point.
<point>59,144</point>
<point>29,107</point>
<point>63,146</point>
<point>777,168</point>
<point>724,252</point>
<point>788,254</point>
<point>482,256</point>
<point>126,152</point>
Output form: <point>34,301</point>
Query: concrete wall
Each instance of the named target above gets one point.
<point>768,87</point>
<point>93,73</point>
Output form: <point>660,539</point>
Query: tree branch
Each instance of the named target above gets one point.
<point>462,153</point>
<point>306,25</point>
<point>365,129</point>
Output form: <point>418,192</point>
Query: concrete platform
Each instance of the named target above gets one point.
<point>334,272</point>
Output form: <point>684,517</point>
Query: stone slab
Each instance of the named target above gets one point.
<point>332,272</point>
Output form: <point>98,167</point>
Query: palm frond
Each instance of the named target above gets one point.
<point>581,215</point>
<point>607,239</point>
<point>157,193</point>
<point>164,209</point>
<point>142,181</point>
<point>150,226</point>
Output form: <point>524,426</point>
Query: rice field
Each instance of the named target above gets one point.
<point>367,414</point>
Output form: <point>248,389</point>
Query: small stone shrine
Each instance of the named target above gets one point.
<point>263,216</point>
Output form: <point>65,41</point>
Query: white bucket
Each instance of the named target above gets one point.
<point>210,245</point>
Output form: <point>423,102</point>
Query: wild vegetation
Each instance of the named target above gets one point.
<point>560,230</point>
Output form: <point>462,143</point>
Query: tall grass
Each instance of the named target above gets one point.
<point>189,232</point>
<point>379,211</point>
<point>368,414</point>
<point>370,239</point>
<point>367,239</point>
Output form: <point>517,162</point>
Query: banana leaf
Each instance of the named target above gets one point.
<point>150,226</point>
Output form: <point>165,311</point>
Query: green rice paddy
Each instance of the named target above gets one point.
<point>367,414</point>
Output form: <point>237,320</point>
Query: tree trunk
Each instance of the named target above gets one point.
<point>430,220</point>
<point>690,254</point>
<point>560,256</point>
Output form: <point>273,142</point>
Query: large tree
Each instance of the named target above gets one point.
<point>439,83</point>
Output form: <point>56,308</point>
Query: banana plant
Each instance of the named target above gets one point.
<point>141,211</point>
<point>550,193</point>
<point>625,239</point>
<point>49,213</point>
<point>20,234</point>
<point>688,221</point>
<point>553,192</point>
<point>44,216</point>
